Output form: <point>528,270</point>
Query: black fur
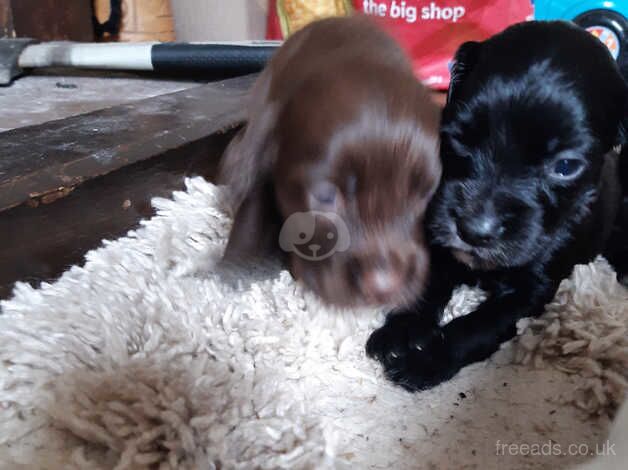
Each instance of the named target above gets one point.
<point>505,217</point>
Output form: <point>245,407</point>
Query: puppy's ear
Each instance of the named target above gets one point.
<point>623,127</point>
<point>255,230</point>
<point>622,144</point>
<point>246,168</point>
<point>248,159</point>
<point>465,59</point>
<point>623,155</point>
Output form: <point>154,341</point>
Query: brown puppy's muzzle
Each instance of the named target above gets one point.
<point>386,274</point>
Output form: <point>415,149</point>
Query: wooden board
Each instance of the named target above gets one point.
<point>6,19</point>
<point>42,163</point>
<point>64,186</point>
<point>61,93</point>
<point>39,243</point>
<point>48,20</point>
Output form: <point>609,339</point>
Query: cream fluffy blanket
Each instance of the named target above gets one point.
<point>147,357</point>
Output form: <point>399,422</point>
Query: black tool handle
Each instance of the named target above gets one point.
<point>183,57</point>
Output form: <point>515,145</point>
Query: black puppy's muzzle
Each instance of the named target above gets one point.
<point>478,223</point>
<point>481,230</point>
<point>488,222</point>
<point>486,226</point>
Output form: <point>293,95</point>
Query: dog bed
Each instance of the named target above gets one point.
<point>149,356</point>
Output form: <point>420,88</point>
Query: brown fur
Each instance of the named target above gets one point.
<point>339,106</point>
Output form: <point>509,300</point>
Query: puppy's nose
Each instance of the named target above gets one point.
<point>480,231</point>
<point>380,284</point>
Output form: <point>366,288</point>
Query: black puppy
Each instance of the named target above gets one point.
<point>530,188</point>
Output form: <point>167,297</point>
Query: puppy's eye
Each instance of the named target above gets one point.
<point>567,168</point>
<point>324,194</point>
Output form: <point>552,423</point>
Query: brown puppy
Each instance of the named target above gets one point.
<point>337,164</point>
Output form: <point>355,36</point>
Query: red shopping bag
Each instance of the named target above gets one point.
<point>429,30</point>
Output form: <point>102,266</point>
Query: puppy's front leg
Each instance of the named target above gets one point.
<point>425,354</point>
<point>395,343</point>
<point>476,336</point>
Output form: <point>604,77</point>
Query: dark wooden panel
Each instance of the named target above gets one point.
<point>6,19</point>
<point>49,20</point>
<point>39,243</point>
<point>47,161</point>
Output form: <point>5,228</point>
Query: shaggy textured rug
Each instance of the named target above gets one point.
<point>150,357</point>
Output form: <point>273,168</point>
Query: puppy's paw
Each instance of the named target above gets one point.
<point>414,355</point>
